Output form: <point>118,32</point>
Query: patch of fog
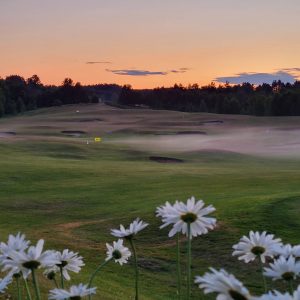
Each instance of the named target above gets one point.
<point>252,140</point>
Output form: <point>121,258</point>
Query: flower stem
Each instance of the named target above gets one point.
<point>55,282</point>
<point>189,261</point>
<point>291,287</point>
<point>18,287</point>
<point>36,285</point>
<point>178,267</point>
<point>62,277</point>
<point>27,290</point>
<point>95,273</point>
<point>262,272</point>
<point>136,269</point>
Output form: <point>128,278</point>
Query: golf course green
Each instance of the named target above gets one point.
<point>59,184</point>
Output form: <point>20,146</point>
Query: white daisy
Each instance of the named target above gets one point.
<point>135,227</point>
<point>225,285</point>
<point>118,252</point>
<point>69,261</point>
<point>165,210</point>
<point>5,282</point>
<point>283,268</point>
<point>260,245</point>
<point>181,214</point>
<point>14,243</point>
<point>296,294</point>
<point>296,251</point>
<point>285,250</point>
<point>275,295</point>
<point>75,292</point>
<point>32,259</point>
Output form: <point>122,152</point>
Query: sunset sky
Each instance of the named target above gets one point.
<point>148,43</point>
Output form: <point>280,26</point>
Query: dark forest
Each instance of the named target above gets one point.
<point>18,95</point>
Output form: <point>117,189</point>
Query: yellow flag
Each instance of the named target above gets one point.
<point>97,139</point>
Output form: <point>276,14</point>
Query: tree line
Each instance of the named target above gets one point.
<point>276,99</point>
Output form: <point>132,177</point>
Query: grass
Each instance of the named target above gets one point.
<point>72,194</point>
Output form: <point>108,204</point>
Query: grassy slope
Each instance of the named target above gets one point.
<point>71,194</point>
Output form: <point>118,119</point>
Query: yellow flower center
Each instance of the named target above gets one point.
<point>236,295</point>
<point>258,250</point>
<point>62,264</point>
<point>288,276</point>
<point>51,275</point>
<point>116,254</point>
<point>189,217</point>
<point>32,264</point>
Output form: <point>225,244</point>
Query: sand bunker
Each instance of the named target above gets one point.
<point>185,132</point>
<point>7,134</point>
<point>162,159</point>
<point>190,132</point>
<point>213,122</point>
<point>90,120</point>
<point>74,133</point>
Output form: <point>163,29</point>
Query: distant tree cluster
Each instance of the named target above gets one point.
<point>18,94</point>
<point>276,99</point>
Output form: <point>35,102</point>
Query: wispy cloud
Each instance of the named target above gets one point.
<point>135,72</point>
<point>132,72</point>
<point>180,70</point>
<point>97,62</point>
<point>285,75</point>
<point>291,70</point>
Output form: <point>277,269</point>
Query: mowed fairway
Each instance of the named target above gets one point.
<point>55,186</point>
